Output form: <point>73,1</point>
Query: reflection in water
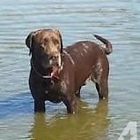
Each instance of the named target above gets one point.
<point>86,124</point>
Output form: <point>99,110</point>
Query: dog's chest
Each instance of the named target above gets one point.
<point>53,91</point>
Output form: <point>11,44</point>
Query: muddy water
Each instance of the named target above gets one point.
<point>117,20</point>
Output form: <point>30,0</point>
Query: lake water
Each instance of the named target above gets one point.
<point>118,21</point>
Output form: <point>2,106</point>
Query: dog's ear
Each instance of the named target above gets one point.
<point>29,42</point>
<point>61,41</point>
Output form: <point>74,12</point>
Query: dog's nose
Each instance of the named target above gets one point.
<point>53,57</point>
<point>54,60</point>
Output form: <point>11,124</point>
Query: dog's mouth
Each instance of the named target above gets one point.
<point>48,72</point>
<point>55,72</point>
<point>52,68</point>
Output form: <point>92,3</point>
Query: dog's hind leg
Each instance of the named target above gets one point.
<point>102,88</point>
<point>78,92</point>
<point>100,77</point>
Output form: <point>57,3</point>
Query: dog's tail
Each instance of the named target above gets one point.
<point>108,46</point>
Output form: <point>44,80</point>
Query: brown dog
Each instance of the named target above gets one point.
<point>57,74</point>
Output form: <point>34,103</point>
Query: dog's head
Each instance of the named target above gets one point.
<point>45,46</point>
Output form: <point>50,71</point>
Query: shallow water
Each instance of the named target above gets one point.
<point>117,20</point>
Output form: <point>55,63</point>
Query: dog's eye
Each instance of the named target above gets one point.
<point>41,47</point>
<point>46,40</point>
<point>55,41</point>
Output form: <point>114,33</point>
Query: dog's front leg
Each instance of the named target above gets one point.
<point>39,106</point>
<point>70,103</point>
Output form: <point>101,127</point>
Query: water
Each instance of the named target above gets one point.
<point>117,20</point>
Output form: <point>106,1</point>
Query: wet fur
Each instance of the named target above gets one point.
<point>79,61</point>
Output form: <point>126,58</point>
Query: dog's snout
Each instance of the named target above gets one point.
<point>53,57</point>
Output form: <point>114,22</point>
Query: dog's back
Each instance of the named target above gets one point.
<point>89,60</point>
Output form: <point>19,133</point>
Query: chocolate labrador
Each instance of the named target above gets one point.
<point>57,74</point>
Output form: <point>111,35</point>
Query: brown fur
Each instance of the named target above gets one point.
<point>76,64</point>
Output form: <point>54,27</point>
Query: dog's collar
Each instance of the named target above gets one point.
<point>38,73</point>
<point>45,76</point>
